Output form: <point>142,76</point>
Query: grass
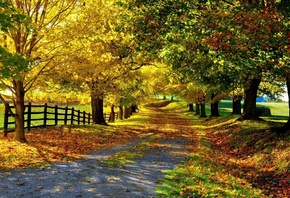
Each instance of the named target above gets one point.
<point>231,159</point>
<point>279,110</point>
<point>129,155</point>
<point>201,176</point>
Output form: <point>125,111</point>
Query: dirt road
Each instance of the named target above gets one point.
<point>91,177</point>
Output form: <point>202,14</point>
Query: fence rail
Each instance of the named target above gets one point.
<point>45,115</point>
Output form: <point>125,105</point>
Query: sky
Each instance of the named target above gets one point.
<point>285,97</point>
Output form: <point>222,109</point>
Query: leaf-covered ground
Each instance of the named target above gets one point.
<point>225,158</point>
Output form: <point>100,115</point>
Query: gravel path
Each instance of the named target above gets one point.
<point>89,178</point>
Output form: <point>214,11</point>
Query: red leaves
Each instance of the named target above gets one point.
<point>255,29</point>
<point>220,41</point>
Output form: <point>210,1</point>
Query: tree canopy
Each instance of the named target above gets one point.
<point>213,47</point>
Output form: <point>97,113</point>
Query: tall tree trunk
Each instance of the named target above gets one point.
<point>121,112</point>
<point>214,106</point>
<point>286,127</point>
<point>251,90</point>
<point>237,107</point>
<point>112,114</point>
<point>97,104</point>
<point>121,109</point>
<point>127,112</point>
<point>197,109</point>
<point>19,111</point>
<point>202,110</point>
<point>191,107</point>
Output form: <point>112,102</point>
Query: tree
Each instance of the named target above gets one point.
<point>37,43</point>
<point>103,56</point>
<point>12,64</point>
<point>214,31</point>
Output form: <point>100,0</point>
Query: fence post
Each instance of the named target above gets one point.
<point>89,121</point>
<point>72,116</point>
<point>65,115</point>
<point>29,116</point>
<point>79,116</point>
<point>84,117</point>
<point>55,115</point>
<point>6,114</point>
<point>45,115</point>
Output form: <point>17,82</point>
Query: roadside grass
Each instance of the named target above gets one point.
<point>201,176</point>
<point>231,159</point>
<point>136,120</point>
<point>128,156</point>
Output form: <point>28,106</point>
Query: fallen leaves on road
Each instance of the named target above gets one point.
<point>56,144</point>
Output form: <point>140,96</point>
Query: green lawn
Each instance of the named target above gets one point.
<point>279,110</point>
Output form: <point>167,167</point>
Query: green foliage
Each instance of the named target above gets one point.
<point>9,17</point>
<point>11,65</point>
<point>217,43</point>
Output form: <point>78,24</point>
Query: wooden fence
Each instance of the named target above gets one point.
<point>45,115</point>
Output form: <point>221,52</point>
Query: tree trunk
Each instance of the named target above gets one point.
<point>191,109</point>
<point>171,98</point>
<point>214,106</point>
<point>164,97</point>
<point>237,107</point>
<point>127,112</point>
<point>19,111</point>
<point>112,114</point>
<point>251,90</point>
<point>197,109</point>
<point>202,111</point>
<point>121,112</point>
<point>97,104</point>
<point>286,127</point>
<point>133,108</point>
